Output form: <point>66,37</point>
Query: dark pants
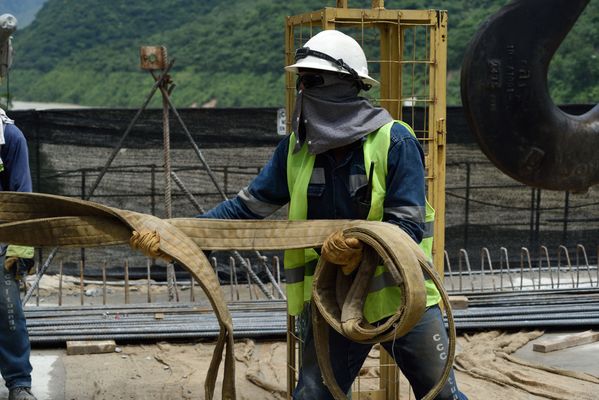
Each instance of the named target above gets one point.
<point>420,354</point>
<point>14,339</point>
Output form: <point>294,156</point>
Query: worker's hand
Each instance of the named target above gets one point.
<point>345,252</point>
<point>19,266</point>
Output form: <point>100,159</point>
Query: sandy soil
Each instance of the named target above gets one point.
<point>485,371</point>
<point>173,371</point>
<point>486,368</point>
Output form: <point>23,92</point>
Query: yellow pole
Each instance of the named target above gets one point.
<point>437,122</point>
<point>378,3</point>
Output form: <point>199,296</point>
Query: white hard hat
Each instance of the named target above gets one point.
<point>332,50</point>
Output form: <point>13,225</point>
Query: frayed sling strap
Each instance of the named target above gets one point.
<point>39,220</point>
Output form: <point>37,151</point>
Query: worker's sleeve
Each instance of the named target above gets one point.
<point>16,176</point>
<point>265,194</point>
<point>405,199</point>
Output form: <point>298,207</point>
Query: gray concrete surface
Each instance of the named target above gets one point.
<point>581,358</point>
<point>48,375</point>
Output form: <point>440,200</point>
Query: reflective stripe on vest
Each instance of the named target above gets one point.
<point>384,302</point>
<point>384,296</point>
<point>297,274</point>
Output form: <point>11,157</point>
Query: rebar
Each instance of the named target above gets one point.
<point>111,158</point>
<point>539,304</point>
<point>268,318</point>
<point>236,254</point>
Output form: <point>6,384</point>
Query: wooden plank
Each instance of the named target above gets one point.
<point>458,302</point>
<point>76,347</point>
<point>369,395</point>
<point>575,339</point>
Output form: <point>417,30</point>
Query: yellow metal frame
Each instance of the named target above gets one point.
<point>397,72</point>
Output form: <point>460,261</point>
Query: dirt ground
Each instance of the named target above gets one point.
<point>488,366</point>
<point>486,370</point>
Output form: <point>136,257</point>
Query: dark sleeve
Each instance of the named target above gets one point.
<point>405,199</point>
<point>266,193</point>
<point>16,176</point>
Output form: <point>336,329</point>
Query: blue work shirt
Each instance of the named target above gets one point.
<point>15,348</point>
<point>337,186</point>
<point>16,176</point>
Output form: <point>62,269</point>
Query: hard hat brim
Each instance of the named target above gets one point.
<point>326,66</point>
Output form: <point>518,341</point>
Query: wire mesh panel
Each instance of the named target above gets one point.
<point>406,52</point>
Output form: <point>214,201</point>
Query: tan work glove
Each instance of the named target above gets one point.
<point>20,266</point>
<point>345,252</point>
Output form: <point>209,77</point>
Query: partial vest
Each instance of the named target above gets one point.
<point>20,251</point>
<point>384,297</point>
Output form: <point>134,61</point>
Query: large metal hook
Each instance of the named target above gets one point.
<point>507,103</point>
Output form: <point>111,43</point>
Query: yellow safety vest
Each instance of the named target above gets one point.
<point>384,297</point>
<point>19,251</point>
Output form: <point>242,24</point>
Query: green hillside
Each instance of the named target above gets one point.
<point>86,51</point>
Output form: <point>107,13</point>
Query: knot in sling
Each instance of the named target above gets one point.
<point>148,242</point>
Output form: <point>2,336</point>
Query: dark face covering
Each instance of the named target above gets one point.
<point>329,114</point>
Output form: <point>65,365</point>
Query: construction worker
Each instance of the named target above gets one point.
<point>321,172</point>
<point>17,261</point>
